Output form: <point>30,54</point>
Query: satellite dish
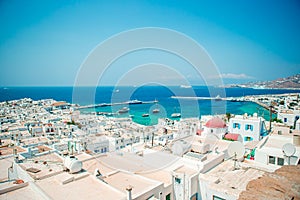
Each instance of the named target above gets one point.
<point>236,149</point>
<point>211,140</point>
<point>288,149</point>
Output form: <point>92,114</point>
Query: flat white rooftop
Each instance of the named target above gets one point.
<point>140,185</point>
<point>226,180</point>
<point>85,188</point>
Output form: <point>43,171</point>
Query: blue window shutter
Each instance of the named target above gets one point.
<point>239,126</point>
<point>251,127</point>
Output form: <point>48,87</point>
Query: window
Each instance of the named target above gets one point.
<point>177,180</point>
<point>249,127</point>
<point>272,160</point>
<point>285,119</point>
<point>217,198</point>
<point>194,197</point>
<point>211,130</point>
<point>280,161</point>
<point>168,197</point>
<point>236,125</point>
<point>247,139</point>
<point>151,197</point>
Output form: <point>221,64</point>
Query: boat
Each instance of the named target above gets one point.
<point>176,115</point>
<point>103,105</point>
<point>145,115</point>
<point>156,110</point>
<point>134,102</point>
<point>185,86</point>
<point>123,110</point>
<point>218,98</point>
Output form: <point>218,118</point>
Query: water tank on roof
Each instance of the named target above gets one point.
<point>296,140</point>
<point>72,164</point>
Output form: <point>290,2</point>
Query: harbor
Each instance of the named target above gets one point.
<point>132,102</point>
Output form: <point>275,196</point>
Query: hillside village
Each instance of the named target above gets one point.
<point>49,150</point>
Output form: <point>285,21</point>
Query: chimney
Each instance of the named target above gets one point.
<point>296,139</point>
<point>129,195</point>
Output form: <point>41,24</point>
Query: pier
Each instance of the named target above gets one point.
<point>211,98</point>
<point>116,104</point>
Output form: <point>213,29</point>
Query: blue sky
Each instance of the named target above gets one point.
<point>45,42</point>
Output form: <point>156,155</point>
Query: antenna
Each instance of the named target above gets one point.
<point>236,150</point>
<point>288,150</point>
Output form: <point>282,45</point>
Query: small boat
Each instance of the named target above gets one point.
<point>156,110</point>
<point>185,86</point>
<point>135,102</point>
<point>145,115</point>
<point>176,115</point>
<point>103,105</point>
<point>218,98</point>
<point>123,110</point>
<point>131,116</point>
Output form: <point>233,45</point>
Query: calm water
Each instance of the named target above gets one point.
<point>166,104</point>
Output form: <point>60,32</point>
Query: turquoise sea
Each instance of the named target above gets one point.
<point>163,94</point>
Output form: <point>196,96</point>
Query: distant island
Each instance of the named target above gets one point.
<point>291,82</point>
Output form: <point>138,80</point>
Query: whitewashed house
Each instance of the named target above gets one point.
<point>270,150</point>
<point>215,126</point>
<point>250,128</point>
<point>289,117</point>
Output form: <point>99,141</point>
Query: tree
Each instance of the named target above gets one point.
<point>228,116</point>
<point>277,120</point>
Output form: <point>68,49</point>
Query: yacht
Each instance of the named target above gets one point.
<point>156,110</point>
<point>218,98</point>
<point>185,86</point>
<point>135,102</point>
<point>145,115</point>
<point>176,115</point>
<point>123,110</point>
<point>103,105</point>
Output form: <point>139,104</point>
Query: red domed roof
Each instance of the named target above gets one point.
<point>215,122</point>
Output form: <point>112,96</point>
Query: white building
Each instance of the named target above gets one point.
<point>223,182</point>
<point>98,145</point>
<point>270,150</point>
<point>185,181</point>
<point>250,128</point>
<point>215,126</point>
<point>297,127</point>
<point>289,117</point>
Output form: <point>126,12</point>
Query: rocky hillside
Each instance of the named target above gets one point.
<point>288,82</point>
<point>284,183</point>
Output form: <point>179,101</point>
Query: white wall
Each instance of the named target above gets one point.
<point>287,118</point>
<point>257,124</point>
